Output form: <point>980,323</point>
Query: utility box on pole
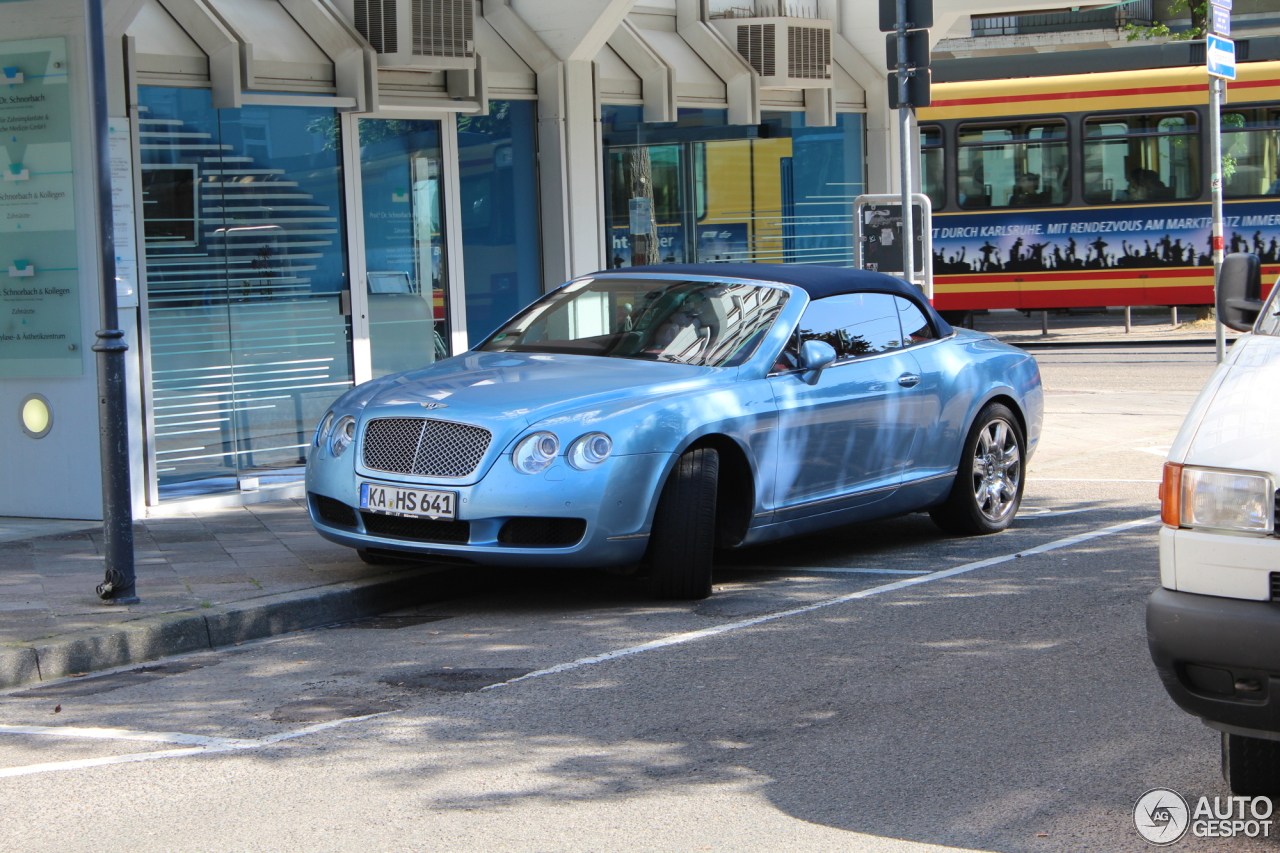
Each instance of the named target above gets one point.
<point>881,235</point>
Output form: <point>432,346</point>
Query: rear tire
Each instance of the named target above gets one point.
<point>1251,766</point>
<point>683,538</point>
<point>988,486</point>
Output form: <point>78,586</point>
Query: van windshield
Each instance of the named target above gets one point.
<point>703,323</point>
<point>1269,318</point>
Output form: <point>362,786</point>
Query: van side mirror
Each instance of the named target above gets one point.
<point>815,356</point>
<point>1240,291</point>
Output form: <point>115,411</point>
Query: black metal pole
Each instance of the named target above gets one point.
<point>120,583</point>
<point>904,145</point>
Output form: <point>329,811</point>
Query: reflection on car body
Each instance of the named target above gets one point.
<point>645,417</point>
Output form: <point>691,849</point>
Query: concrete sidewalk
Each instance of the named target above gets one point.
<point>221,577</point>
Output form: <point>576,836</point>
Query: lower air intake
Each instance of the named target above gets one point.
<point>332,511</point>
<point>542,532</point>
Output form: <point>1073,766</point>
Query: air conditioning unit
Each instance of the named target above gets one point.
<point>787,52</point>
<point>431,34</point>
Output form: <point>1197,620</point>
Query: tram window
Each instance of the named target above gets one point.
<point>931,166</point>
<point>1141,158</point>
<point>1250,162</point>
<point>1013,165</point>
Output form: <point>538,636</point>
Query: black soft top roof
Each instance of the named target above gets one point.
<point>817,281</point>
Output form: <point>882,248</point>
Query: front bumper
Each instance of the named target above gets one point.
<point>1219,658</point>
<point>615,500</point>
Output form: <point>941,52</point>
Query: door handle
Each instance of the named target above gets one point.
<point>908,380</point>
<point>344,303</point>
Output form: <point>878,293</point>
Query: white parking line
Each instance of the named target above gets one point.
<point>208,745</point>
<point>689,637</point>
<point>120,734</point>
<point>1079,480</point>
<point>1027,512</point>
<point>824,570</point>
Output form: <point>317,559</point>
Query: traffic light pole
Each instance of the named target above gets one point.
<point>120,584</point>
<point>904,144</point>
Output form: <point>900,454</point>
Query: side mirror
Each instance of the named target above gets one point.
<point>815,356</point>
<point>1240,291</point>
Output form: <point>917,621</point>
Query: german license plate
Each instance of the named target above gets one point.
<point>390,500</point>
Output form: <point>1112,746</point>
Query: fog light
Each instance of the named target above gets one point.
<point>36,415</point>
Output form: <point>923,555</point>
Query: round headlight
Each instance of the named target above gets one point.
<point>588,451</point>
<point>535,452</point>
<point>344,432</point>
<point>322,431</point>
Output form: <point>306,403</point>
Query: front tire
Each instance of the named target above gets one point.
<point>1251,766</point>
<point>989,482</point>
<point>684,528</point>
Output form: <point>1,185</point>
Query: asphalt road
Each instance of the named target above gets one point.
<point>879,687</point>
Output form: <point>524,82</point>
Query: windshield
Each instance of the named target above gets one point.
<point>705,323</point>
<point>1269,318</point>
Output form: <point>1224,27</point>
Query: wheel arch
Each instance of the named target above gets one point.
<point>735,489</point>
<point>1006,399</point>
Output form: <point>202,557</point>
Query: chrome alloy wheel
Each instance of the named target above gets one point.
<point>997,470</point>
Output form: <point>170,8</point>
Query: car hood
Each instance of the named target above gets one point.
<point>508,392</point>
<point>1238,428</point>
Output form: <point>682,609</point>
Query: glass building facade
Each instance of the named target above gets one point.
<point>702,191</point>
<point>247,282</point>
<point>264,302</point>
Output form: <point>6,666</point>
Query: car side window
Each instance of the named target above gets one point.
<point>855,324</point>
<point>916,328</point>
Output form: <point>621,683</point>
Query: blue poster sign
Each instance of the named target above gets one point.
<point>1219,19</point>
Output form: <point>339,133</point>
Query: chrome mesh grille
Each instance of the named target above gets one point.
<point>423,446</point>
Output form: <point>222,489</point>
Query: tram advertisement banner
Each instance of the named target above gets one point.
<point>1150,247</point>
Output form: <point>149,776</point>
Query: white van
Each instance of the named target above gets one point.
<point>1214,625</point>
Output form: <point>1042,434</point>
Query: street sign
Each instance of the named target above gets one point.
<point>917,90</point>
<point>917,50</point>
<point>1220,57</point>
<point>1219,19</point>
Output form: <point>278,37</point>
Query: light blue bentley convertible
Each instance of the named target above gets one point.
<point>648,416</point>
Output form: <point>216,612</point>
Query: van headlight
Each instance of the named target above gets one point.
<point>588,451</point>
<point>344,432</point>
<point>535,452</point>
<point>1212,497</point>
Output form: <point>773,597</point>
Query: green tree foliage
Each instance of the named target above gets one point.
<point>1199,11</point>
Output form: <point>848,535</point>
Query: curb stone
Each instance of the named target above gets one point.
<point>152,637</point>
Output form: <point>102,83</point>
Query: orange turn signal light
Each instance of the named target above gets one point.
<point>1171,495</point>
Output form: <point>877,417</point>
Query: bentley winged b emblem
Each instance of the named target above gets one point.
<point>435,405</point>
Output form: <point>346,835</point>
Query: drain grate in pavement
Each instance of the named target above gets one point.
<point>116,680</point>
<point>454,680</point>
<point>321,709</point>
<point>392,622</point>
